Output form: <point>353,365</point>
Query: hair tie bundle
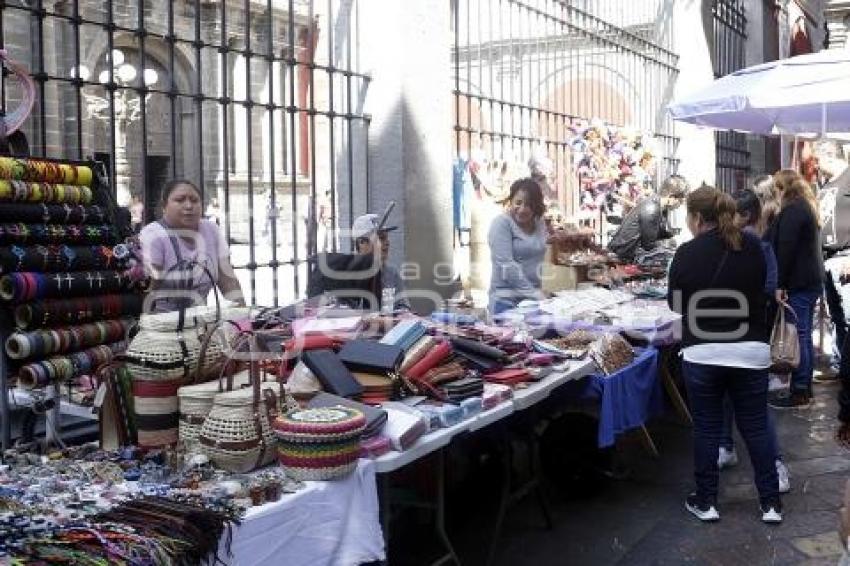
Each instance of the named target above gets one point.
<point>53,213</point>
<point>53,312</point>
<point>63,368</point>
<point>30,286</point>
<point>24,191</point>
<point>40,343</point>
<point>39,171</point>
<point>57,234</point>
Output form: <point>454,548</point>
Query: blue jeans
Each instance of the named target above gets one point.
<point>803,303</point>
<point>747,388</point>
<point>727,442</point>
<point>498,306</point>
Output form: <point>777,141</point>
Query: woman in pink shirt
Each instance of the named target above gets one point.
<point>183,251</point>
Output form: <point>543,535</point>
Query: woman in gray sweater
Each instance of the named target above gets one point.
<point>517,241</point>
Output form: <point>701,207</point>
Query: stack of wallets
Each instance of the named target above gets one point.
<point>495,394</point>
<point>405,425</point>
<point>404,334</point>
<point>457,391</point>
<point>377,389</point>
<point>442,415</point>
<point>371,357</point>
<point>331,373</point>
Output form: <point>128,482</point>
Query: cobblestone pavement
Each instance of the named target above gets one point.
<point>641,519</point>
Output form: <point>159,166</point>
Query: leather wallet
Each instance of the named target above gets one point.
<point>331,373</point>
<point>478,348</point>
<point>404,334</point>
<point>417,352</point>
<point>371,357</point>
<point>465,388</point>
<point>431,360</point>
<point>509,376</point>
<point>444,373</point>
<point>478,362</point>
<point>303,343</point>
<point>375,417</point>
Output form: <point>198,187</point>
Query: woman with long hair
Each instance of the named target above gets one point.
<point>796,240</point>
<point>517,241</point>
<point>717,283</point>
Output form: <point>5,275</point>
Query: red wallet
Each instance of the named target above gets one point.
<point>509,376</point>
<point>431,360</point>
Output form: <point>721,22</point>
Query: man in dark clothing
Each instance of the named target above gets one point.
<point>647,222</point>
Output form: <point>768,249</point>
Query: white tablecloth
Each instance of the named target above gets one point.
<point>334,522</point>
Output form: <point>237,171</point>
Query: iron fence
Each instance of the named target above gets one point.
<point>730,36</point>
<point>259,102</point>
<point>524,70</point>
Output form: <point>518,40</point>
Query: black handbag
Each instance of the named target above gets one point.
<point>331,373</point>
<point>371,357</point>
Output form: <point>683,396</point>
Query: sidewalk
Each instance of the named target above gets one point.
<point>642,520</point>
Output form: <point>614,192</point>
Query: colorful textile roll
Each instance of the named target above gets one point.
<point>52,259</point>
<point>30,286</point>
<point>53,312</point>
<point>57,234</point>
<point>24,191</point>
<point>39,171</point>
<point>40,343</point>
<point>320,443</point>
<point>62,368</point>
<point>155,412</point>
<point>53,213</point>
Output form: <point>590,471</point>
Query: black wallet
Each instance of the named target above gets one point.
<point>375,416</point>
<point>484,364</point>
<point>371,357</point>
<point>461,389</point>
<point>331,373</point>
<point>478,348</point>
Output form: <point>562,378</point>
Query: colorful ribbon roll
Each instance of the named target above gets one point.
<point>57,234</point>
<point>53,312</point>
<point>39,171</point>
<point>30,286</point>
<point>52,259</point>
<point>63,368</point>
<point>41,343</point>
<point>24,191</point>
<point>53,213</point>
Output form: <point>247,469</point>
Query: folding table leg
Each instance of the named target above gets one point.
<point>673,391</point>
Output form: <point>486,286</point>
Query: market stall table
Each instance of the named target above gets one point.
<point>327,522</point>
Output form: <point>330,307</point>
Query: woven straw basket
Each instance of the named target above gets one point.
<point>196,401</point>
<point>237,434</point>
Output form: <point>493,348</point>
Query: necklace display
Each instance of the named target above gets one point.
<point>87,506</point>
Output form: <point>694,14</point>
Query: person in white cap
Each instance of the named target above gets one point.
<point>369,240</point>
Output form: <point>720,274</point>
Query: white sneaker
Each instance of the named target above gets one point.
<point>726,458</point>
<point>784,477</point>
<point>772,513</point>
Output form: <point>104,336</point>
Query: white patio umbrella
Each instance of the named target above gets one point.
<point>807,94</point>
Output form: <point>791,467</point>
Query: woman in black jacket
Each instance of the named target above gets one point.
<point>796,239</point>
<point>716,282</point>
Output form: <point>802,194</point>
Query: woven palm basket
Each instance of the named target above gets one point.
<point>196,401</point>
<point>231,420</point>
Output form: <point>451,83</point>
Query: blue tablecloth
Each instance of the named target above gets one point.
<point>628,398</point>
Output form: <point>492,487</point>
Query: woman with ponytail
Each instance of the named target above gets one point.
<point>717,283</point>
<point>796,240</point>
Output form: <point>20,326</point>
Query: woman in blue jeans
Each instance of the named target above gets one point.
<point>716,282</point>
<point>796,239</point>
<point>747,218</point>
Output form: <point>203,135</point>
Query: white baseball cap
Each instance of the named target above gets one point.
<point>364,226</point>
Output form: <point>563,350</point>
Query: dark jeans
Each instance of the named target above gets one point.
<point>728,442</point>
<point>803,303</point>
<point>747,388</point>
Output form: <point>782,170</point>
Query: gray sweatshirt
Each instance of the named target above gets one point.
<point>517,258</point>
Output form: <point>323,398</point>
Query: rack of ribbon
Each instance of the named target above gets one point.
<point>69,285</point>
